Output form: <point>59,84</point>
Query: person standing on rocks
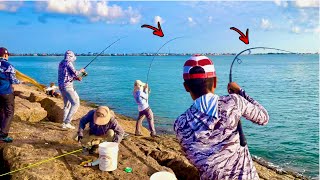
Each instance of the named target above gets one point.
<point>7,78</point>
<point>207,131</point>
<point>66,75</point>
<point>140,94</point>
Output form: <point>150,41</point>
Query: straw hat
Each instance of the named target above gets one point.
<point>138,85</point>
<point>102,115</point>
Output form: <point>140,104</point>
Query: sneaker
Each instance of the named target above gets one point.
<point>3,135</point>
<point>154,135</point>
<point>126,136</point>
<point>68,125</point>
<point>138,134</point>
<point>6,139</point>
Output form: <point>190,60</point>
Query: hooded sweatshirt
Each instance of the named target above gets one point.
<point>67,73</point>
<point>207,133</point>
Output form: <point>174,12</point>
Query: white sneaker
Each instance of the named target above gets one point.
<point>68,125</point>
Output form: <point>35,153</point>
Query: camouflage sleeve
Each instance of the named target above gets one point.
<point>12,75</point>
<point>74,73</point>
<point>118,131</point>
<point>84,120</point>
<point>251,109</point>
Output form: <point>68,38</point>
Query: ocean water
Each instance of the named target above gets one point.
<point>286,85</point>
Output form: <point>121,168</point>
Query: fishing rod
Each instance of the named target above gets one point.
<point>84,74</point>
<point>157,54</point>
<point>249,49</point>
<point>243,141</point>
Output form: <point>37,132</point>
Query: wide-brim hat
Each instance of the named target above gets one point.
<point>102,115</point>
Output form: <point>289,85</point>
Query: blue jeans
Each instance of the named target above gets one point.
<point>71,103</point>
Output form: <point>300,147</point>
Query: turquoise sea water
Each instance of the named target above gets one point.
<point>286,85</point>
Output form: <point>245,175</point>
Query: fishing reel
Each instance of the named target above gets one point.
<point>84,74</point>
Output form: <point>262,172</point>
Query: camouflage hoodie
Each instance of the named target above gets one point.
<point>66,72</point>
<point>207,133</point>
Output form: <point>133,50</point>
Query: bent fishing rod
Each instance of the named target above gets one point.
<point>243,141</point>
<point>157,54</point>
<point>102,52</point>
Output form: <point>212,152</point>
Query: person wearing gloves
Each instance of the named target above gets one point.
<point>66,75</point>
<point>103,126</point>
<point>207,131</point>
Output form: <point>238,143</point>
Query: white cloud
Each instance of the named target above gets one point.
<point>314,30</point>
<point>10,6</point>
<point>191,21</point>
<point>158,19</point>
<point>296,29</point>
<point>93,10</point>
<point>281,3</point>
<point>265,24</point>
<point>306,19</point>
<point>210,19</point>
<point>307,3</point>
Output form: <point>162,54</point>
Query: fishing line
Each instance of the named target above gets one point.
<point>41,162</point>
<point>243,141</point>
<point>249,49</point>
<point>103,51</point>
<point>154,56</point>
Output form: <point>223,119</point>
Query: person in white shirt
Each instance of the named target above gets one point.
<point>51,90</point>
<point>140,95</point>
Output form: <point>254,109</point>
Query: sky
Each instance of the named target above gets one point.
<point>55,26</point>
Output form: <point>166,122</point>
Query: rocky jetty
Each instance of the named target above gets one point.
<point>38,135</point>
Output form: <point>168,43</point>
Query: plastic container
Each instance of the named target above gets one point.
<point>108,156</point>
<point>128,170</point>
<point>163,175</point>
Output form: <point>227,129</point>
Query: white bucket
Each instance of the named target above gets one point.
<point>163,175</point>
<point>108,156</point>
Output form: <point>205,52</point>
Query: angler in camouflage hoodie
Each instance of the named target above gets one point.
<point>207,131</point>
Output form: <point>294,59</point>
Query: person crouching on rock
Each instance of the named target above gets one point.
<point>51,90</point>
<point>66,75</point>
<point>140,94</point>
<point>7,78</point>
<point>103,127</point>
<point>207,131</point>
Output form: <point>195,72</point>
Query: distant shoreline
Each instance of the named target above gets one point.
<point>149,54</point>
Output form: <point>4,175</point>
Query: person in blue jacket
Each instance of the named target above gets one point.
<point>7,78</point>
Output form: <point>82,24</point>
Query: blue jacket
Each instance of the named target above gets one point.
<point>7,77</point>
